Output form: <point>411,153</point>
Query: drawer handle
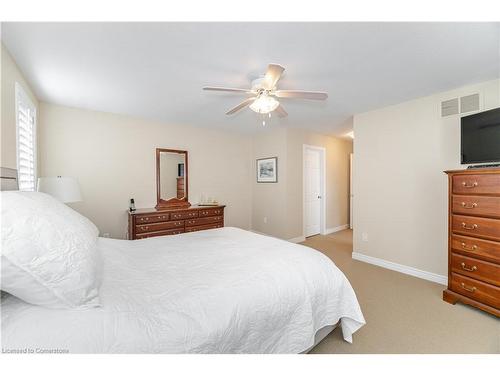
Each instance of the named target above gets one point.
<point>469,289</point>
<point>474,226</point>
<point>472,248</point>
<point>178,223</point>
<point>470,269</point>
<point>145,228</point>
<point>473,205</point>
<point>474,184</point>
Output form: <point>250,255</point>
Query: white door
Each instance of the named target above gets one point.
<point>351,195</point>
<point>313,197</point>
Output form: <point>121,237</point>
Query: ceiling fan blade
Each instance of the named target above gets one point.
<point>281,111</point>
<point>298,94</point>
<point>240,106</point>
<point>273,74</point>
<point>228,89</point>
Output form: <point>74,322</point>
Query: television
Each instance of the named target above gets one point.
<point>480,137</point>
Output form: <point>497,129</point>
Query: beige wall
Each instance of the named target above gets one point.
<point>113,157</point>
<point>281,203</point>
<point>270,199</point>
<point>10,74</point>
<point>400,190</point>
<point>337,179</point>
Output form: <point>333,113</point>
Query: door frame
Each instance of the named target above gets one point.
<point>322,185</point>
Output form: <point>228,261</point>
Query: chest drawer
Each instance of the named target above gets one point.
<point>155,218</point>
<point>474,247</point>
<point>204,220</point>
<point>160,226</point>
<point>203,227</point>
<point>160,233</point>
<point>475,268</point>
<point>211,212</point>
<point>476,227</point>
<point>476,205</point>
<point>475,289</point>
<point>476,184</point>
<point>183,215</point>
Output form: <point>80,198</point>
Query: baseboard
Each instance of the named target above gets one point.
<point>294,240</point>
<point>297,239</point>
<point>434,277</point>
<point>336,229</point>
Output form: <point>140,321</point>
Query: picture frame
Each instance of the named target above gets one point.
<point>267,170</point>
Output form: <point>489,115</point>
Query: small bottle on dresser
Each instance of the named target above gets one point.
<point>132,205</point>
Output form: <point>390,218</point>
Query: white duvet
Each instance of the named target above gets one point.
<point>216,291</point>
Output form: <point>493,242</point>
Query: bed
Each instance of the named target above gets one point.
<point>224,290</point>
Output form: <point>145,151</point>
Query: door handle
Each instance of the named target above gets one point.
<point>319,196</point>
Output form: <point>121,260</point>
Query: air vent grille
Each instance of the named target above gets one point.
<point>469,103</point>
<point>449,107</point>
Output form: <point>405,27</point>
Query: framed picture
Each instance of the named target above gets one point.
<point>267,170</point>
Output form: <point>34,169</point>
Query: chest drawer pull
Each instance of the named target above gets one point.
<point>473,205</point>
<point>466,268</point>
<point>472,227</point>
<point>469,289</point>
<point>474,184</point>
<point>472,248</point>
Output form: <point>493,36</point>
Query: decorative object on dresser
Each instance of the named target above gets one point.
<point>171,178</point>
<point>151,222</point>
<point>474,239</point>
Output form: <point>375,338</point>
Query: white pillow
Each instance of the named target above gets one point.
<point>49,254</point>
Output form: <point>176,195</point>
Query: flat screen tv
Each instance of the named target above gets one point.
<point>481,137</point>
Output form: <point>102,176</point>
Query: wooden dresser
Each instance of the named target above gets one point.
<point>151,222</point>
<point>474,239</point>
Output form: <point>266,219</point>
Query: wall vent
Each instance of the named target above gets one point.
<point>449,107</point>
<point>469,103</point>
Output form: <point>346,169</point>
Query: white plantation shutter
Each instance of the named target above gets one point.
<point>26,140</point>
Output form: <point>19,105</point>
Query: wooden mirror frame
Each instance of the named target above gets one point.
<point>172,202</point>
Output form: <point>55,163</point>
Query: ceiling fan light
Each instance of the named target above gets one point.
<point>264,104</point>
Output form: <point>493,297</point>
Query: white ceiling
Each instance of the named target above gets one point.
<point>157,70</point>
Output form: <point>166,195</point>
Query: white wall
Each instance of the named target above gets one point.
<point>400,190</point>
<point>10,74</point>
<point>113,157</point>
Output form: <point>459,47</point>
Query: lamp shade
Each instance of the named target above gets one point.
<point>65,189</point>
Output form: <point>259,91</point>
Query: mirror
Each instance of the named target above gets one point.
<point>171,178</point>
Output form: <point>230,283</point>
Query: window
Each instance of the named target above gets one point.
<point>26,140</point>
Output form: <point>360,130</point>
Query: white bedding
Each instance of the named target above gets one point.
<point>216,291</point>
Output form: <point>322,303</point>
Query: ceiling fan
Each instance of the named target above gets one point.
<point>264,93</point>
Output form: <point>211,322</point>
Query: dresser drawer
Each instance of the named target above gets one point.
<point>474,247</point>
<point>159,233</point>
<point>159,226</point>
<point>476,184</point>
<point>155,218</point>
<point>476,227</point>
<point>475,289</point>
<point>203,227</point>
<point>475,268</point>
<point>476,205</point>
<point>183,215</point>
<point>211,212</point>
<point>204,220</point>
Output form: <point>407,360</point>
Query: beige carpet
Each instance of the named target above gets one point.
<point>404,314</point>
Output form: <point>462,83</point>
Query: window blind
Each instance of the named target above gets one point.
<point>26,140</point>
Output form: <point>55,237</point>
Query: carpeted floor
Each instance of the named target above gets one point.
<point>404,314</point>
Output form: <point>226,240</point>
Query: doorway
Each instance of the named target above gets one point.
<point>314,167</point>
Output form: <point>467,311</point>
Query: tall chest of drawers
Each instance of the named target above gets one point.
<point>474,239</point>
<point>150,222</point>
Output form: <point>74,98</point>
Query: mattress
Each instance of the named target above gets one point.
<point>217,291</point>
